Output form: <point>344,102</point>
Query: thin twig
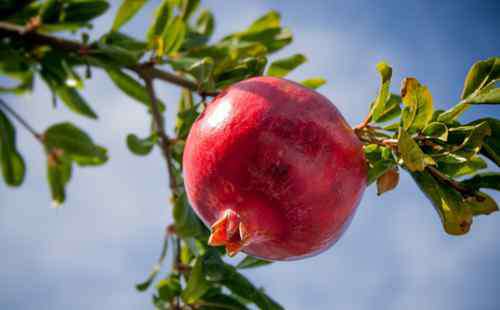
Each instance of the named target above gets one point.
<point>164,141</point>
<point>21,120</point>
<point>18,32</point>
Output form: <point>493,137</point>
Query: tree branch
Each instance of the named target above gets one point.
<point>164,141</point>
<point>21,120</point>
<point>18,32</point>
<point>450,182</point>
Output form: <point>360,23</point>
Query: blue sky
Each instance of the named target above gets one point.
<point>395,255</point>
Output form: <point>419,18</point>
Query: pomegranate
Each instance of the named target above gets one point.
<point>274,169</point>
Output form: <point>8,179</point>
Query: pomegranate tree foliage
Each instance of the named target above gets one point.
<point>446,158</point>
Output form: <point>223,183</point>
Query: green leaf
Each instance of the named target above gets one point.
<point>168,288</point>
<point>140,146</point>
<point>205,23</point>
<point>481,204</point>
<point>82,11</point>
<point>188,112</point>
<point>272,19</point>
<point>58,176</point>
<point>267,31</point>
<point>131,87</point>
<point>12,163</point>
<point>163,14</point>
<point>72,99</point>
<point>241,286</point>
<point>480,75</point>
<point>418,105</point>
<point>74,142</point>
<point>187,223</point>
<point>392,109</point>
<point>490,96</point>
<point>187,8</point>
<point>252,262</point>
<point>412,155</point>
<point>470,166</point>
<point>436,130</point>
<point>483,180</point>
<point>453,113</point>
<point>378,169</point>
<point>379,107</point>
<point>491,143</point>
<point>127,10</point>
<point>196,285</point>
<point>202,71</point>
<point>282,67</point>
<point>469,139</point>
<point>314,83</point>
<point>126,43</point>
<point>455,214</point>
<point>173,35</point>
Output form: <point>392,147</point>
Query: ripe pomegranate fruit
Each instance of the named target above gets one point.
<point>274,169</point>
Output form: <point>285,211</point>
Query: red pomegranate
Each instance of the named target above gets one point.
<point>274,169</point>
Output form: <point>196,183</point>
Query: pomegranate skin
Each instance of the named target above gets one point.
<point>280,161</point>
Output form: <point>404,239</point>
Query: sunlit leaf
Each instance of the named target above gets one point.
<point>418,109</point>
<point>314,83</point>
<point>385,73</point>
<point>282,67</point>
<point>480,74</point>
<point>163,14</point>
<point>173,35</point>
<point>411,153</point>
<point>127,10</point>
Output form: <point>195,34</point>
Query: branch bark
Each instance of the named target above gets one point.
<point>18,32</point>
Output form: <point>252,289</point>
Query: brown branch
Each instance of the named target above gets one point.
<point>450,182</point>
<point>164,141</point>
<point>17,32</point>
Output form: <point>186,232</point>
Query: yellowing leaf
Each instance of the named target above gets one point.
<point>413,157</point>
<point>418,105</point>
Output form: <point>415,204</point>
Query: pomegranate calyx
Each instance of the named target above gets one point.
<point>230,232</point>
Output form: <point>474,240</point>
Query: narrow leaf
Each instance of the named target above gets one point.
<point>12,163</point>
<point>163,13</point>
<point>252,262</point>
<point>173,35</point>
<point>72,99</point>
<point>284,66</point>
<point>127,10</point>
<point>314,83</point>
<point>385,73</point>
